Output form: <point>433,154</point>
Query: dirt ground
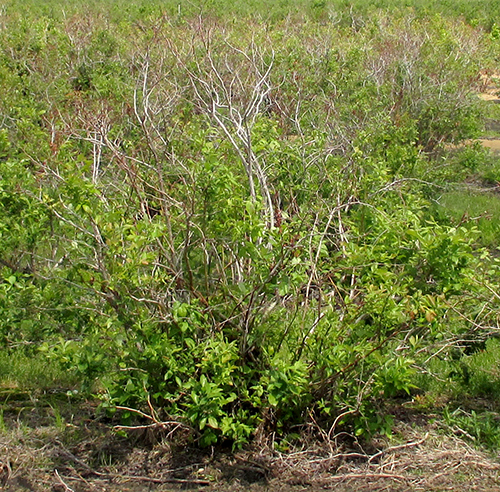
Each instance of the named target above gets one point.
<point>62,447</point>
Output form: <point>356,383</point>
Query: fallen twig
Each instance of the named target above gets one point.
<point>349,476</point>
<point>66,487</point>
<point>395,448</point>
<point>156,422</point>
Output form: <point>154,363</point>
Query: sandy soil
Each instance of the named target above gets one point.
<point>493,143</point>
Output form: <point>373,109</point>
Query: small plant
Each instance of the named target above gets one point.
<point>395,377</point>
<point>59,421</point>
<point>480,428</point>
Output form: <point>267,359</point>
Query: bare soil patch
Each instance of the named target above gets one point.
<point>493,143</point>
<point>490,82</point>
<point>493,97</point>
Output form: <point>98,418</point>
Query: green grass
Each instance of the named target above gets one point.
<point>481,210</point>
<point>465,374</point>
<point>29,372</point>
<point>465,391</point>
<point>491,113</point>
<point>484,370</point>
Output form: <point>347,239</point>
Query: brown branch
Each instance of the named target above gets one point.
<point>396,448</point>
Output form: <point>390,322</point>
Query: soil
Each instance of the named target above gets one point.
<point>493,143</point>
<point>62,447</point>
<point>487,96</point>
<point>490,82</point>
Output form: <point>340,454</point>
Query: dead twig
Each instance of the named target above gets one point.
<point>396,448</point>
<point>62,482</point>
<point>153,417</point>
<point>364,476</point>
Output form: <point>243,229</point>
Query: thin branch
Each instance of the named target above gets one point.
<point>61,481</point>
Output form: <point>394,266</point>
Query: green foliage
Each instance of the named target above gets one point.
<point>395,377</point>
<point>288,392</point>
<point>479,428</point>
<point>235,231</point>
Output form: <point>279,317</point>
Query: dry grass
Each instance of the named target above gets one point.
<point>424,460</point>
<point>82,454</point>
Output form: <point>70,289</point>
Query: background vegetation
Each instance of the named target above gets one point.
<point>233,223</point>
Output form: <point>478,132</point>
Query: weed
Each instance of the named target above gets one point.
<point>480,428</point>
<point>59,421</point>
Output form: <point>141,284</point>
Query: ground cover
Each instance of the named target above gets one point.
<point>73,451</point>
